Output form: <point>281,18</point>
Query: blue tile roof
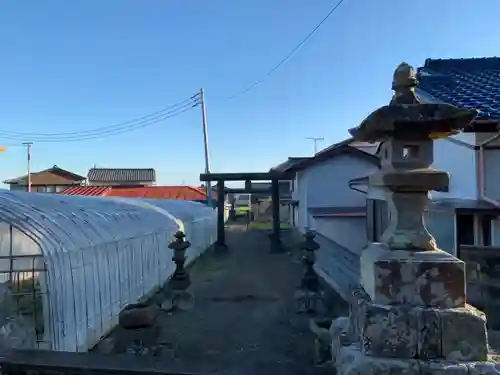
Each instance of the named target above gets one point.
<point>465,83</point>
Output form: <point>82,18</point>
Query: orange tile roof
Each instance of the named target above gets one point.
<point>158,192</point>
<point>91,191</point>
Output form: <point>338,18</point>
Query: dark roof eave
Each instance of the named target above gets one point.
<point>359,180</point>
<point>289,164</point>
<point>54,169</point>
<point>339,149</point>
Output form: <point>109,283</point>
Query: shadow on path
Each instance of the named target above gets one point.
<point>244,318</point>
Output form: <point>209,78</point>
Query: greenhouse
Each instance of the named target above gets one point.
<point>69,264</point>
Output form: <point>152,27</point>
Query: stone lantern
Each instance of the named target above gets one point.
<point>180,279</point>
<point>177,295</point>
<point>309,294</point>
<point>410,315</point>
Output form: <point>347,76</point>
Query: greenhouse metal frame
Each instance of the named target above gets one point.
<point>69,264</point>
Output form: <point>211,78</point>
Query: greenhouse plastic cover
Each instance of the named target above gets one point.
<point>100,254</point>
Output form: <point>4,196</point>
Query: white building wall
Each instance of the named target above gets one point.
<point>495,232</point>
<point>460,162</point>
<point>329,181</point>
<point>492,173</point>
<point>326,185</point>
<point>349,232</point>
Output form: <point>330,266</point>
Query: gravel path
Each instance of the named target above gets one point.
<point>244,318</point>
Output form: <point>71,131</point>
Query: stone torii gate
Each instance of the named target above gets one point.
<point>273,176</point>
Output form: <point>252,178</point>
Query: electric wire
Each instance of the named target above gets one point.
<point>124,126</point>
<point>158,116</point>
<point>289,55</point>
<point>106,132</point>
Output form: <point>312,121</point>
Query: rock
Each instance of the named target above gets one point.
<point>388,331</point>
<point>338,331</point>
<point>18,332</point>
<point>483,368</point>
<point>429,343</point>
<point>167,305</point>
<point>184,301</point>
<point>138,315</point>
<point>436,367</point>
<point>463,334</point>
<point>322,343</point>
<point>351,361</point>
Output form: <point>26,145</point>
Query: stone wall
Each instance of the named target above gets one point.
<point>483,280</point>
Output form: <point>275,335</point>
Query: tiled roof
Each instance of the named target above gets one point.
<point>465,83</point>
<point>161,192</point>
<point>121,174</point>
<point>49,176</point>
<point>91,191</point>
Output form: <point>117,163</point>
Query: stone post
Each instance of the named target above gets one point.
<point>309,294</point>
<point>178,296</point>
<point>410,314</point>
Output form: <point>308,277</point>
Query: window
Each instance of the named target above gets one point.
<point>465,229</point>
<point>51,189</point>
<point>370,232</point>
<point>377,219</point>
<point>381,218</point>
<point>485,223</point>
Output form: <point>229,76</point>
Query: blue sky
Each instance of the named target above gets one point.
<point>68,66</point>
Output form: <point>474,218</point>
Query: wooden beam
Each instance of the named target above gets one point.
<point>244,190</point>
<point>257,176</point>
<point>276,238</point>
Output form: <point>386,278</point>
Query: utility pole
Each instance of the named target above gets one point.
<point>208,184</point>
<point>315,140</point>
<point>28,156</point>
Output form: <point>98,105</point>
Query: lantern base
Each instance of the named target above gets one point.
<point>309,302</point>
<point>178,300</point>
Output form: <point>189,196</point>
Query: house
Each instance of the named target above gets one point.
<point>51,180</point>
<point>321,198</point>
<point>121,177</point>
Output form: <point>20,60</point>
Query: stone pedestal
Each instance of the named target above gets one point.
<point>409,315</point>
<point>382,339</point>
<point>416,278</point>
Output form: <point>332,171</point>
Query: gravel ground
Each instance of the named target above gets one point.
<point>244,318</point>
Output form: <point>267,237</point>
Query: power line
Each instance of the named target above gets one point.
<point>290,54</point>
<point>105,131</point>
<point>108,132</point>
